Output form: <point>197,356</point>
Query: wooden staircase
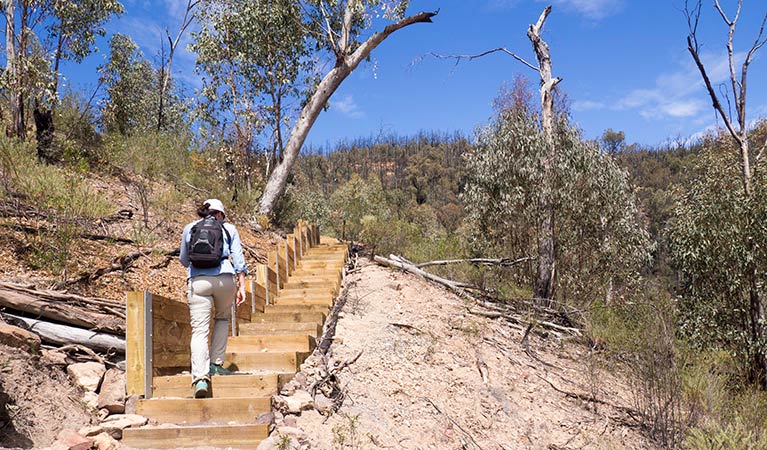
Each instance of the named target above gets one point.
<point>267,350</point>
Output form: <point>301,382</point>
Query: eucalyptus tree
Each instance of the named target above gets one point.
<point>39,35</point>
<point>600,238</point>
<point>262,62</point>
<point>130,81</point>
<point>251,55</point>
<point>336,30</point>
<point>743,200</point>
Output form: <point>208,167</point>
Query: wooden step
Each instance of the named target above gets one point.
<point>313,329</point>
<point>297,292</point>
<point>297,308</point>
<point>286,343</point>
<point>326,301</point>
<point>315,273</point>
<point>238,385</point>
<point>311,283</point>
<point>199,410</point>
<point>309,263</point>
<point>279,361</point>
<point>287,317</point>
<point>216,436</point>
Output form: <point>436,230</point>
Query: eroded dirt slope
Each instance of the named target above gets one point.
<point>418,383</point>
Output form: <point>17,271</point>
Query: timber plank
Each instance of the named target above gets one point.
<point>279,361</point>
<point>216,410</point>
<point>288,317</point>
<point>311,328</point>
<point>217,436</point>
<point>286,343</point>
<point>327,302</point>
<point>240,385</point>
<point>297,308</point>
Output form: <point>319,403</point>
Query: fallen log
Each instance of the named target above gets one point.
<point>457,288</point>
<point>503,262</point>
<point>39,306</point>
<point>400,264</point>
<point>65,335</point>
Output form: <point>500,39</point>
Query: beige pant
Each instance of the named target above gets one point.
<point>203,294</point>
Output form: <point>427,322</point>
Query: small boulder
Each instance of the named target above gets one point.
<point>104,441</point>
<point>90,431</point>
<point>87,375</point>
<point>114,425</point>
<point>112,393</point>
<point>131,403</point>
<point>323,404</point>
<point>72,440</point>
<point>91,399</point>
<point>18,337</point>
<point>300,401</point>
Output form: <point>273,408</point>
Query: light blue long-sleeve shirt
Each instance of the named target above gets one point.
<point>235,264</point>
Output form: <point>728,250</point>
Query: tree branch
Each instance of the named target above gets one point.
<point>458,58</point>
<point>378,37</point>
<point>692,48</point>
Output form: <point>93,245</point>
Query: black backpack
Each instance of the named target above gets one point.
<point>206,243</point>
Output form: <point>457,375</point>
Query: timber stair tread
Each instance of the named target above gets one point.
<point>271,343</point>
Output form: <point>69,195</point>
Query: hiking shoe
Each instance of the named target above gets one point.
<point>201,389</point>
<point>216,369</point>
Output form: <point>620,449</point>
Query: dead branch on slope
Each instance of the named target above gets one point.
<point>492,309</point>
<point>503,262</point>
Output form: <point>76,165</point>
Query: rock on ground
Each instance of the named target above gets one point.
<point>112,393</point>
<point>87,375</point>
<point>18,337</point>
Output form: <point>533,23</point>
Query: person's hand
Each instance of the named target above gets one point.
<point>241,295</point>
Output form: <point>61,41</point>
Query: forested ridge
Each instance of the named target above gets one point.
<point>657,256</point>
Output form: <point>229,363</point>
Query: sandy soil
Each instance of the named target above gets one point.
<point>418,383</point>
<point>37,400</point>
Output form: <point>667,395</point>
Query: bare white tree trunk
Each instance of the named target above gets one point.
<point>544,280</point>
<point>185,22</point>
<point>739,133</point>
<point>346,62</point>
<point>12,67</point>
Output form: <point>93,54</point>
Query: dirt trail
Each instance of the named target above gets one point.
<point>418,383</point>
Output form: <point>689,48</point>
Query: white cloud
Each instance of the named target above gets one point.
<point>348,107</point>
<point>593,9</point>
<point>678,94</point>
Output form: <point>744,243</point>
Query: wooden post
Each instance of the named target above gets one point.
<point>276,256</point>
<point>138,353</point>
<point>297,233</point>
<point>235,328</point>
<point>252,295</point>
<point>262,276</point>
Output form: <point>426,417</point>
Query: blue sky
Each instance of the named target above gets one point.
<point>624,65</point>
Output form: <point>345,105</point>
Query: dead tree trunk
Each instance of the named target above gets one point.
<point>165,82</point>
<point>16,104</point>
<point>740,134</point>
<point>347,59</point>
<point>544,280</point>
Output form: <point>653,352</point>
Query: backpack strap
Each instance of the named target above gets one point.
<point>228,236</point>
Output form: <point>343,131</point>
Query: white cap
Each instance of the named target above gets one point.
<point>215,204</point>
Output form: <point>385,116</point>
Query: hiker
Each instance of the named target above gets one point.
<point>212,251</point>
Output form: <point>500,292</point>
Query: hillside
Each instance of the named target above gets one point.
<point>429,374</point>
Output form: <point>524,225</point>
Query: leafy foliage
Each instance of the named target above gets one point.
<point>132,87</point>
<point>717,235</point>
<point>599,231</point>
